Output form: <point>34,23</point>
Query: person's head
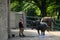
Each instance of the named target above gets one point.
<point>21,19</point>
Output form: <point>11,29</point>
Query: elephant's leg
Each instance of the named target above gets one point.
<point>48,28</point>
<point>38,32</point>
<point>52,26</point>
<point>42,32</point>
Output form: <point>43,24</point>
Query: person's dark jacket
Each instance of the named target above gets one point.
<point>21,25</point>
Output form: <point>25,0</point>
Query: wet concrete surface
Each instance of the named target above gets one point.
<point>33,35</point>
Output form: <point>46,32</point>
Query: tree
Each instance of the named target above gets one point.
<point>58,8</point>
<point>45,6</point>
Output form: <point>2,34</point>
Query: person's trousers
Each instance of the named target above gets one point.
<point>21,30</point>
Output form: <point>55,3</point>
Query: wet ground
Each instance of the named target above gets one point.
<point>33,35</point>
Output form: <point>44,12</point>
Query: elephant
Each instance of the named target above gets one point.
<point>49,21</point>
<point>39,26</point>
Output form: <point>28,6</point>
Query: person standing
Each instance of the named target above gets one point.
<point>21,28</point>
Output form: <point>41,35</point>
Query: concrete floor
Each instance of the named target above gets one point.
<point>33,35</point>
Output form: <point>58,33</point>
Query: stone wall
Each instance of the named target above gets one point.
<point>15,18</point>
<point>12,19</point>
<point>3,20</point>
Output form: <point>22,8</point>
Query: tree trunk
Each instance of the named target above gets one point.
<point>43,8</point>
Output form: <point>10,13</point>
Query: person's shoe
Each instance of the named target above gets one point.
<point>13,35</point>
<point>20,35</point>
<point>23,35</point>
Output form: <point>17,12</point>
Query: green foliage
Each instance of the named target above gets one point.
<point>31,12</point>
<point>38,12</point>
<point>25,5</point>
<point>13,5</point>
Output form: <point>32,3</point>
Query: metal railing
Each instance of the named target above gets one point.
<point>29,19</point>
